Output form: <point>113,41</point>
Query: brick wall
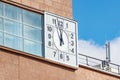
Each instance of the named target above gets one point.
<point>87,73</point>
<point>16,65</point>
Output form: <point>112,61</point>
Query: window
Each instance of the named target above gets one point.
<point>13,27</point>
<point>1,38</point>
<point>21,29</point>
<point>32,47</point>
<point>32,18</point>
<point>1,24</point>
<point>32,33</point>
<point>12,12</point>
<point>1,10</point>
<point>13,42</point>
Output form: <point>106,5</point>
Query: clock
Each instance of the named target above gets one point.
<point>60,39</point>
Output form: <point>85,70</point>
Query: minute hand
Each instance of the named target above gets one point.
<point>61,37</point>
<point>60,31</point>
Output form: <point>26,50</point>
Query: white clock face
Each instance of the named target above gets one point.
<point>60,39</point>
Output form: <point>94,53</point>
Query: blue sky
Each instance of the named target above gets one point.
<point>98,20</point>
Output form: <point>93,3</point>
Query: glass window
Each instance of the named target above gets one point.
<point>13,27</point>
<point>32,33</point>
<point>32,18</point>
<point>1,38</point>
<point>32,47</point>
<point>1,24</point>
<point>21,29</point>
<point>13,42</point>
<point>1,10</point>
<point>12,12</point>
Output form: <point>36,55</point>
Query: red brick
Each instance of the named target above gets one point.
<point>26,2</point>
<point>35,4</point>
<point>2,77</point>
<point>49,2</point>
<point>8,57</point>
<point>38,70</point>
<point>41,1</point>
<point>33,68</point>
<point>41,6</point>
<point>11,71</point>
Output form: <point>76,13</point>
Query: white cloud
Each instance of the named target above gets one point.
<point>115,50</point>
<point>91,49</point>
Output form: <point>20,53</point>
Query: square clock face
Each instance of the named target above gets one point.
<point>60,39</point>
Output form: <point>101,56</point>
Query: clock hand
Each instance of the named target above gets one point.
<point>60,29</point>
<point>59,32</point>
<point>61,38</point>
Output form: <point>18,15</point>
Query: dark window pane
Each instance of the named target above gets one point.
<point>12,12</point>
<point>1,24</point>
<point>32,18</point>
<point>13,27</point>
<point>32,47</point>
<point>32,33</point>
<point>1,38</point>
<point>1,9</point>
<point>13,42</point>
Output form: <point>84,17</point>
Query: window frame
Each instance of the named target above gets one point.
<point>22,23</point>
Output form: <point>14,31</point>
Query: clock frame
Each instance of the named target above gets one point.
<point>60,39</point>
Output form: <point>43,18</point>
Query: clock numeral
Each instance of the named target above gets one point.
<point>54,53</point>
<point>72,50</point>
<point>61,56</point>
<point>49,28</point>
<point>49,43</point>
<point>60,24</point>
<point>67,58</point>
<point>49,36</point>
<point>72,36</point>
<point>54,21</point>
<point>72,43</point>
<point>66,25</point>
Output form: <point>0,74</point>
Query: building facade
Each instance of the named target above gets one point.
<point>21,53</point>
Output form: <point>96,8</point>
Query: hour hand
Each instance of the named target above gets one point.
<point>61,38</point>
<point>59,32</point>
<point>59,35</point>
